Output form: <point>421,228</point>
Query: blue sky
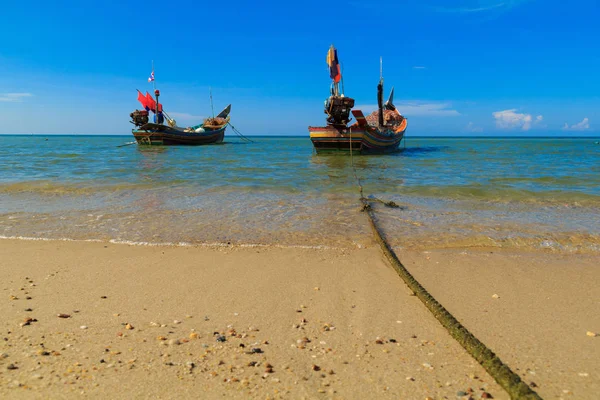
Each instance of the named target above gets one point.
<point>487,67</point>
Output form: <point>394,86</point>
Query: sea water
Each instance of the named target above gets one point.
<point>519,193</point>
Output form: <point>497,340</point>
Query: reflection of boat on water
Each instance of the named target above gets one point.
<point>212,130</point>
<point>380,132</point>
<point>341,162</point>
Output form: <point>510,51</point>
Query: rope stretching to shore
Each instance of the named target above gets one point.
<point>511,382</point>
<point>239,133</point>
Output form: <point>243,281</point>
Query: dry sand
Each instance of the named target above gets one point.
<point>534,310</point>
<point>145,322</point>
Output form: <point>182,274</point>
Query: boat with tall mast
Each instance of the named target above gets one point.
<point>380,132</point>
<point>211,131</point>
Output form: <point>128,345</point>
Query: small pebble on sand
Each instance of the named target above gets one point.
<point>83,327</point>
<point>591,334</point>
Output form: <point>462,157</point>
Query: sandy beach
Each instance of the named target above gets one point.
<point>106,320</point>
<point>532,309</point>
<point>166,322</point>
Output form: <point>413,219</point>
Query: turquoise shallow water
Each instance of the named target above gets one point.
<point>522,193</point>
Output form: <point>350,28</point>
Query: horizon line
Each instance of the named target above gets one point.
<point>595,136</point>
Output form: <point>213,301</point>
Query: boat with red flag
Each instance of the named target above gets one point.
<point>210,131</point>
<point>378,133</point>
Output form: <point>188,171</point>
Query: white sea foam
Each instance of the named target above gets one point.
<point>48,239</point>
<point>179,244</point>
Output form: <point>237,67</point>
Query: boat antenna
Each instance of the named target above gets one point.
<point>153,78</point>
<point>342,65</point>
<point>380,92</point>
<point>211,102</point>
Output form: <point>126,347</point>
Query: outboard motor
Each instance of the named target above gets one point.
<point>139,118</point>
<point>338,109</point>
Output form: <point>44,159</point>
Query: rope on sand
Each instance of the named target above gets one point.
<point>511,382</point>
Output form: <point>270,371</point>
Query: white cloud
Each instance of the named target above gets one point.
<point>471,10</point>
<point>471,127</point>
<point>510,119</point>
<point>417,109</point>
<point>419,67</point>
<point>580,126</point>
<point>14,97</point>
<point>483,6</point>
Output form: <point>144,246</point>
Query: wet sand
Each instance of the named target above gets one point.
<point>532,309</point>
<point>167,322</point>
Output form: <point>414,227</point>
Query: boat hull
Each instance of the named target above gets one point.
<point>336,139</point>
<point>166,136</point>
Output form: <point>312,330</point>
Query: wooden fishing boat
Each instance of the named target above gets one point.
<point>379,133</point>
<point>211,131</point>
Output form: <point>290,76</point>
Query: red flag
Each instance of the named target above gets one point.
<point>152,104</point>
<point>142,99</point>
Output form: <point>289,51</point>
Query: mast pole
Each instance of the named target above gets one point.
<point>157,94</point>
<point>211,102</point>
<point>380,92</point>
<point>342,65</point>
<point>153,78</point>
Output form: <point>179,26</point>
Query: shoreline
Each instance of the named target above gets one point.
<point>482,245</point>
